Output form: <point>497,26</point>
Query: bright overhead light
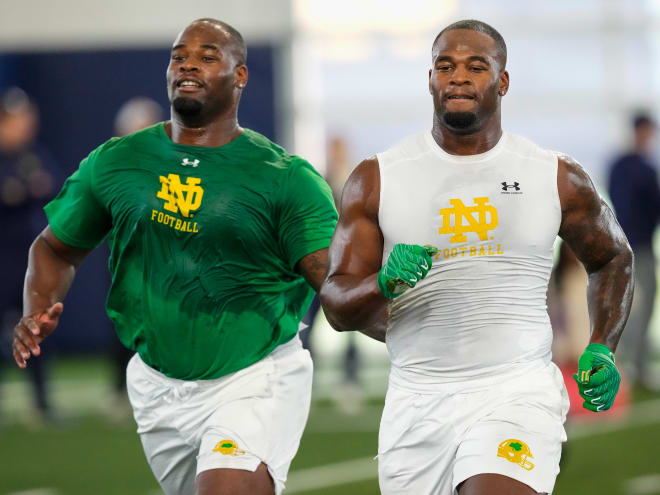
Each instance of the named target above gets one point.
<point>350,17</point>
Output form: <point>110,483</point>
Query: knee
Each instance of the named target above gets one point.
<point>235,482</point>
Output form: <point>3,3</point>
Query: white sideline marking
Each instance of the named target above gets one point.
<point>640,414</point>
<point>36,491</point>
<point>366,468</point>
<point>643,485</point>
<point>338,473</point>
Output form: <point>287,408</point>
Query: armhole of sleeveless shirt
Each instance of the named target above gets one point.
<point>555,189</point>
<point>379,161</point>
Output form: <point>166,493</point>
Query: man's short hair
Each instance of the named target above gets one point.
<point>236,39</point>
<point>15,101</point>
<point>641,119</point>
<point>480,27</point>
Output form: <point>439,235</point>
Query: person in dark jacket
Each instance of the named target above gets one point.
<point>28,180</point>
<point>635,194</point>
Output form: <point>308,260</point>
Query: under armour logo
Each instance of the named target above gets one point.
<point>187,163</point>
<point>515,186</point>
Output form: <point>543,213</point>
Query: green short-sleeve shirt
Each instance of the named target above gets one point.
<point>203,245</point>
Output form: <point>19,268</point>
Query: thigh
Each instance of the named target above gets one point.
<point>264,428</point>
<point>235,482</point>
<point>170,456</point>
<point>416,444</point>
<point>521,436</point>
<point>493,484</point>
<point>171,459</point>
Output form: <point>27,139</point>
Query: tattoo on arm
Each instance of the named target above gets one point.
<point>314,268</point>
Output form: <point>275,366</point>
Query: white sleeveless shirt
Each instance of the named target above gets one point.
<point>494,218</point>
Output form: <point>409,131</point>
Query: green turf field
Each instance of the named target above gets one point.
<point>90,450</point>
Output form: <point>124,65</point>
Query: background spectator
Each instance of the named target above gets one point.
<point>28,180</point>
<point>635,194</point>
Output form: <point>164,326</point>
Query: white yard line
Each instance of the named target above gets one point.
<point>643,485</point>
<point>338,473</point>
<point>640,414</point>
<point>36,491</point>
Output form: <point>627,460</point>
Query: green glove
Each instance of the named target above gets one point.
<point>406,265</point>
<point>597,378</point>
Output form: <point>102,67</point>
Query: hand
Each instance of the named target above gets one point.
<point>31,330</point>
<point>406,265</point>
<point>597,378</point>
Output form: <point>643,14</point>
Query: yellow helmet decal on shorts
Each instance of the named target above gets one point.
<point>516,451</point>
<point>228,447</point>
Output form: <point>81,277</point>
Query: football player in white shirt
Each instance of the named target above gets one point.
<point>444,250</point>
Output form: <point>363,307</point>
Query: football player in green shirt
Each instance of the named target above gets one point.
<point>218,238</point>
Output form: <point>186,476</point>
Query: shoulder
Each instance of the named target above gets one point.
<point>366,173</point>
<point>408,148</point>
<point>278,160</point>
<point>362,189</point>
<point>529,150</point>
<point>299,174</point>
<point>570,170</point>
<point>267,152</point>
<point>574,184</point>
<point>115,149</point>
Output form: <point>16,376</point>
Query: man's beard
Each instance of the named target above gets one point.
<point>460,121</point>
<point>187,107</point>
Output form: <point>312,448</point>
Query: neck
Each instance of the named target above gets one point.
<point>218,132</point>
<point>640,149</point>
<point>473,143</point>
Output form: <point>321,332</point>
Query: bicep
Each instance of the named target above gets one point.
<point>356,248</point>
<point>71,254</point>
<point>77,216</point>
<point>357,245</point>
<point>588,225</point>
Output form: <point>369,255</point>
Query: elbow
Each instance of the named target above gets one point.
<point>330,308</point>
<point>620,260</point>
<point>627,258</point>
<point>336,323</point>
<point>39,249</point>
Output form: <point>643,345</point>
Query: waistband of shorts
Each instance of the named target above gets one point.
<point>280,352</point>
<point>283,350</point>
<point>415,382</point>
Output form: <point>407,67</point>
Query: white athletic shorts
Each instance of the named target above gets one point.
<point>238,421</point>
<point>431,442</point>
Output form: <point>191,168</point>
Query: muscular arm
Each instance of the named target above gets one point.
<point>590,229</point>
<point>350,295</point>
<point>314,268</point>
<point>51,268</point>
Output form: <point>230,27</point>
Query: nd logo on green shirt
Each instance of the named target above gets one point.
<point>179,198</point>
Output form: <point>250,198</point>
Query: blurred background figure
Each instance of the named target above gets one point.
<point>349,396</point>
<point>635,194</point>
<point>568,311</point>
<point>339,167</point>
<point>134,115</point>
<point>29,178</point>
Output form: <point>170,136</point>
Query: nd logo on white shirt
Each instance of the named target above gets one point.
<point>480,218</point>
<point>459,220</point>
